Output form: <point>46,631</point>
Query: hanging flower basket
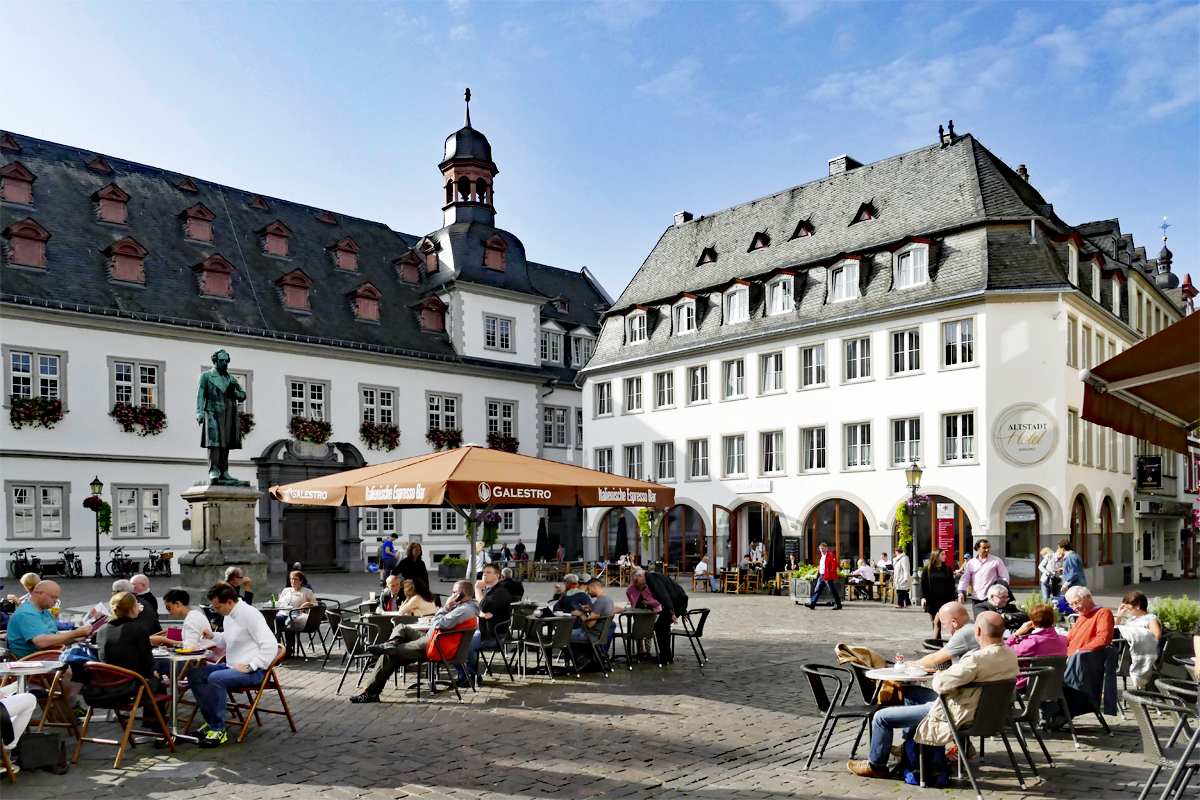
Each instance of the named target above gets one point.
<point>103,512</point>
<point>498,441</point>
<point>380,436</point>
<point>148,421</point>
<point>35,411</point>
<point>444,438</point>
<point>491,527</point>
<point>315,431</point>
<point>245,422</point>
<point>904,519</point>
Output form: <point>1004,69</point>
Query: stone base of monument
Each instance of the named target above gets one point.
<point>223,536</point>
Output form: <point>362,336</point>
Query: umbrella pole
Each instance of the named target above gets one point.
<point>470,520</point>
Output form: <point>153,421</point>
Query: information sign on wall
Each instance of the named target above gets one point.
<point>1025,434</point>
<point>945,530</point>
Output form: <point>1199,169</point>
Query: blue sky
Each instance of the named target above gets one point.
<point>606,118</point>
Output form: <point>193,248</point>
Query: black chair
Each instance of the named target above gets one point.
<point>1169,647</point>
<point>501,631</point>
<point>600,645</point>
<point>448,660</point>
<point>833,708</point>
<point>1184,692</point>
<point>1179,759</point>
<point>633,628</point>
<point>356,650</point>
<point>867,687</point>
<point>991,718</point>
<point>1053,684</point>
<point>1037,691</point>
<point>694,633</point>
<point>932,645</point>
<point>312,628</point>
<point>560,643</point>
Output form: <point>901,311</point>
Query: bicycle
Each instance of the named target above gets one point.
<point>159,563</point>
<point>23,562</point>
<point>120,565</point>
<point>70,565</point>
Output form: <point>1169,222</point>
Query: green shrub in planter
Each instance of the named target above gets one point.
<point>1180,614</point>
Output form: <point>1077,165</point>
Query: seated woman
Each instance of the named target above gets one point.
<point>1143,631</point>
<point>191,636</point>
<point>1037,637</point>
<point>418,600</point>
<point>297,595</point>
<point>123,642</point>
<point>863,576</point>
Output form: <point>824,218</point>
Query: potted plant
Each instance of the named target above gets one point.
<point>148,421</point>
<point>491,528</point>
<point>380,435</point>
<point>43,411</point>
<point>245,423</point>
<point>444,439</point>
<point>498,441</point>
<point>452,569</point>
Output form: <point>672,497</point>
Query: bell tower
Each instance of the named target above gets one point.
<point>468,174</point>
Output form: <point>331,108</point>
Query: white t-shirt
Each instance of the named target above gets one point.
<point>194,624</point>
<point>702,568</point>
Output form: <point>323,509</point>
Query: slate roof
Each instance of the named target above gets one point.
<point>78,277</point>
<point>585,303</point>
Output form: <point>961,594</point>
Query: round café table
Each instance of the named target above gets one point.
<point>21,670</point>
<point>175,659</point>
<point>904,676</point>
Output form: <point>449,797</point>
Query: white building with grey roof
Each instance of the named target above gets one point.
<point>789,358</point>
<point>354,342</point>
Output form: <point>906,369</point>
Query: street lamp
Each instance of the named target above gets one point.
<point>913,474</point>
<point>97,487</point>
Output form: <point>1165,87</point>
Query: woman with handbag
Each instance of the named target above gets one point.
<point>1049,578</point>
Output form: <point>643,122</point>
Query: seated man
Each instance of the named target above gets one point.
<point>495,607</point>
<point>587,627</point>
<point>702,572</point>
<point>570,596</point>
<point>391,598</point>
<point>148,617</point>
<point>1083,682</point>
<point>954,620</point>
<point>991,662</point>
<point>998,601</point>
<point>409,646</point>
<point>240,584</point>
<point>515,589</point>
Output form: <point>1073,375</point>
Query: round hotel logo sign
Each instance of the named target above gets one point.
<point>485,492</point>
<point>1025,434</point>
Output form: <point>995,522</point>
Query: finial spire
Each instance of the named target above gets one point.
<point>467,97</point>
<point>1164,227</point>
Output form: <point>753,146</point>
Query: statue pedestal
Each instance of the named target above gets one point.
<point>222,536</point>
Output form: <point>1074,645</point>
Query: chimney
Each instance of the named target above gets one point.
<point>682,217</point>
<point>1024,173</point>
<point>842,164</point>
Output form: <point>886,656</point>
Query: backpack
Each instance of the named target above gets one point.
<point>936,768</point>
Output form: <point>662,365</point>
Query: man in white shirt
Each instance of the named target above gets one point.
<point>194,622</point>
<point>702,572</point>
<point>757,555</point>
<point>250,648</point>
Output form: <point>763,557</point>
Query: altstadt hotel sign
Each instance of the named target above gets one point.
<point>1025,434</point>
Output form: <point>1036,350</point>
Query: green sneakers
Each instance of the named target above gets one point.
<point>213,739</point>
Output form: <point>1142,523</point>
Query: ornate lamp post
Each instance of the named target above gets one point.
<point>913,474</point>
<point>97,487</point>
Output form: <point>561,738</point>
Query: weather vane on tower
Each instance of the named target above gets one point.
<point>467,97</point>
<point>1164,227</point>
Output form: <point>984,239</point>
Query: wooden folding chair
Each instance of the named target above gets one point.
<point>55,706</point>
<point>255,694</point>
<point>109,676</point>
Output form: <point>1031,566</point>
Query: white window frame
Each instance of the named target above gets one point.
<point>814,453</point>
<point>137,385</point>
<point>602,458</point>
<point>736,305</point>
<point>501,416</point>
<point>911,445</point>
<point>380,522</point>
<point>635,463</point>
<point>959,446</point>
<point>664,389</point>
<point>696,388</point>
<point>579,429</point>
<point>845,287</point>
<point>443,521</point>
<point>857,450</point>
<point>1072,341</point>
<point>856,358</point>
<point>139,511</point>
<point>912,261</point>
<point>604,399</point>
<point>957,345</point>
<point>771,377</point>
<point>907,357</point>
<point>1072,436</point>
<point>1116,296</point>
<point>781,297</point>
<point>310,404</point>
<point>443,415</point>
<point>813,371</point>
<point>725,378</point>
<point>698,460</point>
<point>1085,347</point>
<point>771,461</point>
<point>508,521</point>
<point>554,426</point>
<point>634,400</point>
<point>1095,281</point>
<point>581,350</point>
<point>731,451</point>
<point>38,509</point>
<point>683,316</point>
<point>40,385</point>
<point>375,406</point>
<point>551,345</point>
<point>664,462</point>
<point>499,330</point>
<point>1072,263</point>
<point>636,328</point>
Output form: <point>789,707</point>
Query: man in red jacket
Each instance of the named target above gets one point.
<point>826,575</point>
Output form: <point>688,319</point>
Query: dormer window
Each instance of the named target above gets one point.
<point>1073,263</point>
<point>912,266</point>
<point>187,185</point>
<point>563,306</point>
<point>707,256</point>
<point>429,250</point>
<point>865,212</point>
<point>110,204</point>
<point>345,254</point>
<point>100,164</point>
<point>7,142</point>
<point>760,240</point>
<point>432,314</point>
<point>16,183</point>
<point>327,218</point>
<point>27,243</point>
<point>493,252</point>
<point>1116,295</point>
<point>685,315</point>
<point>635,324</point>
<point>581,347</point>
<point>843,281</point>
<point>125,261</point>
<point>780,296</point>
<point>259,203</point>
<point>364,301</point>
<point>216,277</point>
<point>295,286</point>
<point>409,267</point>
<point>803,228</point>
<point>1096,281</point>
<point>197,223</point>
<point>737,303</point>
<point>275,239</point>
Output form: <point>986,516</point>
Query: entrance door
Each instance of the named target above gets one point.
<point>308,538</point>
<point>1021,537</point>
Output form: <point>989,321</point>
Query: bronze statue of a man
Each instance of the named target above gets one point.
<point>217,397</point>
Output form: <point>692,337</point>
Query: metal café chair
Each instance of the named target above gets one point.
<point>1054,684</point>
<point>694,633</point>
<point>1041,682</point>
<point>991,719</point>
<point>1181,760</point>
<point>634,627</point>
<point>833,707</point>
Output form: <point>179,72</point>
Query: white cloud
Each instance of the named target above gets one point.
<point>677,87</point>
<point>620,15</point>
<point>457,6</point>
<point>461,33</point>
<point>1068,45</point>
<point>797,11</point>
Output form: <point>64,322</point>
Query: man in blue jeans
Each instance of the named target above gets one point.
<point>827,573</point>
<point>250,647</point>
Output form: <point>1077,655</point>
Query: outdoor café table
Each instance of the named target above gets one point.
<point>904,676</point>
<point>176,658</point>
<point>24,669</point>
<point>269,610</point>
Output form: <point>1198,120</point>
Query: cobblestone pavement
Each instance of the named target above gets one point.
<point>741,727</point>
